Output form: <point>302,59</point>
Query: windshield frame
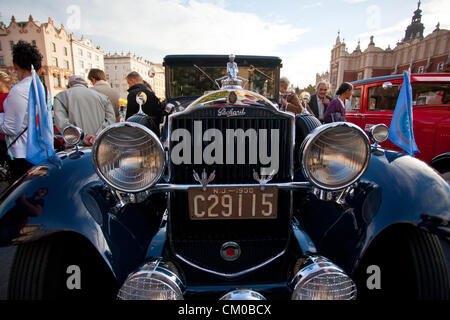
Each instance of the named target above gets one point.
<point>220,61</point>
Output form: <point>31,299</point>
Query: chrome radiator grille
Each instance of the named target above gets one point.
<point>257,118</point>
<point>260,239</point>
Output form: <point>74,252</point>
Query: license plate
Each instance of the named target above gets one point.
<point>221,203</point>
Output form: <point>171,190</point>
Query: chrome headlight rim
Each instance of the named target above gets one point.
<point>132,125</point>
<point>159,270</point>
<point>78,131</point>
<point>314,266</point>
<point>373,134</point>
<point>317,132</point>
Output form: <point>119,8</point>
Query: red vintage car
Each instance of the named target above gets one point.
<point>374,100</point>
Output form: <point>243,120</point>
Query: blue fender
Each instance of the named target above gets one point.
<point>396,189</point>
<point>49,200</point>
<point>412,193</point>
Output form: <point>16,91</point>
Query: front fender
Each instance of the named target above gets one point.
<point>396,189</point>
<point>412,193</point>
<point>50,200</point>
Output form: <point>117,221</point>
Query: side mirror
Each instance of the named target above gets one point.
<point>378,133</point>
<point>73,136</point>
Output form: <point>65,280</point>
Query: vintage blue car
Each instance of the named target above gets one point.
<point>231,198</point>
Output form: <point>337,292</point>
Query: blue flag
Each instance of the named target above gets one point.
<point>401,129</point>
<point>40,147</point>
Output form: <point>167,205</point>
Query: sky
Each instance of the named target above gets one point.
<point>300,32</point>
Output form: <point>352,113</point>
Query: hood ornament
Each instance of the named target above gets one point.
<point>141,99</point>
<point>204,180</point>
<point>231,80</point>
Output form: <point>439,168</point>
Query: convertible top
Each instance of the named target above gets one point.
<point>221,60</point>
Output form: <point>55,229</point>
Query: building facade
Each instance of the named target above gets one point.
<point>118,66</point>
<point>53,43</point>
<point>86,56</point>
<point>415,52</point>
<point>158,81</point>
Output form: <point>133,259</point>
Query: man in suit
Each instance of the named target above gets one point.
<point>320,100</point>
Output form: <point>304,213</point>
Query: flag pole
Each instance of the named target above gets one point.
<point>38,118</point>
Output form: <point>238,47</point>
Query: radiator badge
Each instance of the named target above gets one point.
<point>222,112</point>
<point>230,251</point>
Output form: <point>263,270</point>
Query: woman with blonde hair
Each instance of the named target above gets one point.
<point>289,100</point>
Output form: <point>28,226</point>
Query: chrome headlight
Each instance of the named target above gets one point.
<point>379,133</point>
<point>335,155</point>
<point>72,135</point>
<point>319,279</point>
<point>156,280</point>
<point>242,294</point>
<point>128,156</point>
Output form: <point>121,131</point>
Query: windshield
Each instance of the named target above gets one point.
<point>198,80</point>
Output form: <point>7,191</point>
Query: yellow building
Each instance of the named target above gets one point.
<point>53,43</point>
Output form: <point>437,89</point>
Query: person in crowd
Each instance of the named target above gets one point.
<point>289,100</point>
<point>84,108</point>
<point>14,121</point>
<point>147,84</point>
<point>336,108</point>
<point>98,79</point>
<point>151,107</point>
<point>320,100</point>
<point>5,86</point>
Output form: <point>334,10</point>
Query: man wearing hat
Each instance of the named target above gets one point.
<point>87,109</point>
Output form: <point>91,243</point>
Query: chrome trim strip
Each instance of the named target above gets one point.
<point>231,275</point>
<point>166,187</point>
<point>194,103</point>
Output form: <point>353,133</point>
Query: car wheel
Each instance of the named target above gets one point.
<point>410,264</point>
<point>58,268</point>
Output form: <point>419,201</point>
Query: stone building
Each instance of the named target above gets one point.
<point>325,76</point>
<point>415,52</point>
<point>53,43</point>
<point>118,66</point>
<point>86,56</point>
<point>158,81</point>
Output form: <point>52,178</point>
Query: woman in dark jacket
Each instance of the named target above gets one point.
<point>336,109</point>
